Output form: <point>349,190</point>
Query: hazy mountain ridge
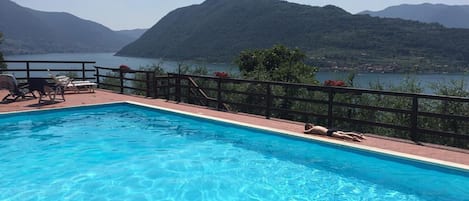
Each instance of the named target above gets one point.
<point>133,33</point>
<point>448,16</point>
<point>217,30</point>
<point>30,31</point>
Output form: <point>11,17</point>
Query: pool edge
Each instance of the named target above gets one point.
<point>441,163</point>
<point>411,157</point>
<point>61,108</point>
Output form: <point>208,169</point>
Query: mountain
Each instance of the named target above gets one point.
<point>30,31</point>
<point>133,33</point>
<point>448,16</point>
<point>218,30</point>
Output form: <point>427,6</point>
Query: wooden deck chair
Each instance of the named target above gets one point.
<point>16,91</point>
<point>46,89</point>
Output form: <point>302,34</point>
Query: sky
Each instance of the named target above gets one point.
<point>132,14</point>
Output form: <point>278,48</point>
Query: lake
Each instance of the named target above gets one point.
<point>362,80</point>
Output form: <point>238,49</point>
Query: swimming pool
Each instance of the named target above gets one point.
<point>128,152</point>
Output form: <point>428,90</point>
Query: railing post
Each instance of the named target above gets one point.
<point>97,75</point>
<point>268,101</point>
<point>83,71</point>
<point>121,76</point>
<point>330,116</point>
<point>178,88</point>
<point>219,101</point>
<point>28,75</point>
<point>414,119</point>
<point>155,84</point>
<point>167,88</point>
<point>189,90</point>
<point>148,82</point>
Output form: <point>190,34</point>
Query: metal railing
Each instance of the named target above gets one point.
<point>418,117</point>
<point>116,79</point>
<point>44,66</point>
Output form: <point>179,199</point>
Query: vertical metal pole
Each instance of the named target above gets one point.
<point>188,91</point>
<point>148,81</point>
<point>121,81</point>
<point>269,102</point>
<point>219,101</point>
<point>155,84</point>
<point>178,84</point>
<point>83,71</point>
<point>28,75</point>
<point>178,88</point>
<point>330,116</point>
<point>97,76</point>
<point>167,88</point>
<point>414,119</point>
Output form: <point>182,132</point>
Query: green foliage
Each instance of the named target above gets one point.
<point>72,75</point>
<point>278,63</point>
<point>351,78</point>
<point>113,81</point>
<point>329,37</point>
<point>197,70</point>
<point>155,68</point>
<point>2,64</point>
<point>456,89</point>
<point>411,85</point>
<point>140,78</point>
<point>140,81</point>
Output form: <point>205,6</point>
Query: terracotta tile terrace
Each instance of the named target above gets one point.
<point>445,154</point>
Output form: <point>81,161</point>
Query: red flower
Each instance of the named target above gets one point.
<point>221,74</point>
<point>334,83</point>
<point>124,68</point>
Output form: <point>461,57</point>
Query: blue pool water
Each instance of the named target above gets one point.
<point>127,152</point>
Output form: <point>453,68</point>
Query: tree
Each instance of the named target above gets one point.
<point>278,63</point>
<point>2,65</point>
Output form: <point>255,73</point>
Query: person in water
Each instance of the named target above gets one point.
<point>320,130</point>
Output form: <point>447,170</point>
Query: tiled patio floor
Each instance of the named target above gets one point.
<point>100,96</point>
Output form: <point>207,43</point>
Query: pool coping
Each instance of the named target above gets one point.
<point>422,159</point>
<point>411,157</point>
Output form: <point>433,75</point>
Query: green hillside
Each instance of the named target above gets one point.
<point>218,30</point>
<point>27,31</point>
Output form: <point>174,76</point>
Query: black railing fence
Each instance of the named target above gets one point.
<point>418,117</point>
<point>422,118</point>
<point>25,69</point>
<point>130,81</point>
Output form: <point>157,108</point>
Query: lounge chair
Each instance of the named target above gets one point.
<point>69,84</point>
<point>46,89</point>
<point>16,91</point>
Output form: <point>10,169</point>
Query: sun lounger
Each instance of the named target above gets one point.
<point>77,86</point>
<point>16,91</point>
<point>69,84</point>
